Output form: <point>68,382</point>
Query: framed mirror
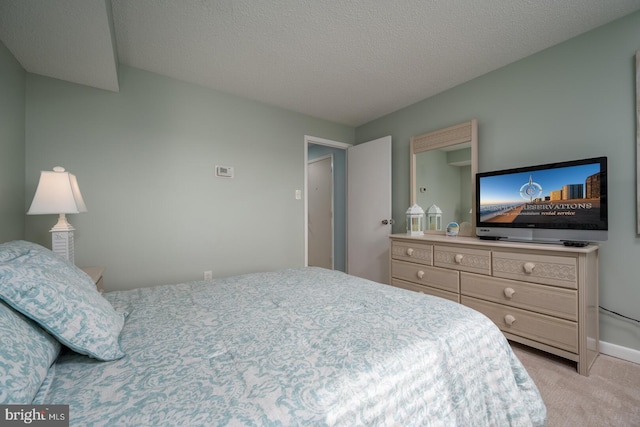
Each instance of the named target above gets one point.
<point>443,167</point>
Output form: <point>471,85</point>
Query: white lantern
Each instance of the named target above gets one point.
<point>434,218</point>
<point>415,220</point>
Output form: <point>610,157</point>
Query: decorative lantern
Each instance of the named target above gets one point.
<point>434,218</point>
<point>415,220</point>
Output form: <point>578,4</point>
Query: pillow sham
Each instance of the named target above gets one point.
<point>12,251</point>
<point>61,298</point>
<point>15,249</point>
<point>26,354</point>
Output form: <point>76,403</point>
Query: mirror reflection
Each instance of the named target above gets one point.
<point>443,185</point>
<point>443,168</point>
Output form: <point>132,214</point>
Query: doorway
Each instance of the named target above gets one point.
<point>315,148</point>
<point>366,228</point>
<point>320,229</point>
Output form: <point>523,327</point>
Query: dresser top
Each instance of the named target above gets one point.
<point>494,244</point>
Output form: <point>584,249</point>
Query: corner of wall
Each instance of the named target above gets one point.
<point>12,147</point>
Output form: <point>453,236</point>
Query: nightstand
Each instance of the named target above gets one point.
<point>96,275</point>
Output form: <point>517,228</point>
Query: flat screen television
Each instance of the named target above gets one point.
<point>562,202</point>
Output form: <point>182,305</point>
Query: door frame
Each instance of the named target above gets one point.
<point>318,141</point>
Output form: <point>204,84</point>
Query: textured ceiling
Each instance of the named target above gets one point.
<point>65,39</point>
<point>348,61</point>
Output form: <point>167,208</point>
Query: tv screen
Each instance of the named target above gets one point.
<point>557,202</point>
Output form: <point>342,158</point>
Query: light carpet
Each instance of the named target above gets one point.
<point>609,396</point>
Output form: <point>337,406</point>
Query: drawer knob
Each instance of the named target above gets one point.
<point>458,258</point>
<point>528,267</point>
<point>420,274</point>
<point>509,319</point>
<point>410,251</point>
<point>509,292</point>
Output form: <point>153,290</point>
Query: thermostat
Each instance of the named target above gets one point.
<point>224,171</point>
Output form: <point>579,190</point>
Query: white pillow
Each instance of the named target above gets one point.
<point>61,298</point>
<point>26,354</point>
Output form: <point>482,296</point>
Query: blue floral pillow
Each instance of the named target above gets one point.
<point>26,354</point>
<point>61,298</point>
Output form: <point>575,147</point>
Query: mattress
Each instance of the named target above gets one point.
<point>296,347</point>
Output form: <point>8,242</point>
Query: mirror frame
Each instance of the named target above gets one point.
<point>638,142</point>
<point>466,132</point>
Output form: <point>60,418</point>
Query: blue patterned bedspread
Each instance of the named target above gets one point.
<point>297,347</point>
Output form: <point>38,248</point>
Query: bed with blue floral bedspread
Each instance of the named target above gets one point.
<point>295,347</point>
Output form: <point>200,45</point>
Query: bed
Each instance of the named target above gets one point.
<point>304,346</point>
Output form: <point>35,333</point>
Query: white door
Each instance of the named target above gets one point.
<point>369,209</point>
<point>320,226</point>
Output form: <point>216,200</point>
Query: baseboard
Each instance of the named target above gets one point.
<point>617,351</point>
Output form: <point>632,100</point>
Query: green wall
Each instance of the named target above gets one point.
<point>12,165</point>
<point>145,159</point>
<point>574,100</point>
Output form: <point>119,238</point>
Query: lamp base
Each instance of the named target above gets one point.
<point>62,224</point>
<point>62,239</point>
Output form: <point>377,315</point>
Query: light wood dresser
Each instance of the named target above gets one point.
<point>541,295</point>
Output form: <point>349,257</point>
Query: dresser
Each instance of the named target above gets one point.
<point>541,295</point>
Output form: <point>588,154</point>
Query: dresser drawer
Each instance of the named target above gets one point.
<point>546,269</point>
<point>545,299</point>
<point>447,280</point>
<point>463,259</point>
<point>412,252</point>
<point>425,290</point>
<point>548,330</point>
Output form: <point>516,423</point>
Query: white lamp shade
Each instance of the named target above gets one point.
<point>76,194</point>
<point>57,193</point>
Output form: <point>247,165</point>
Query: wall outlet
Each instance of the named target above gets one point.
<point>208,275</point>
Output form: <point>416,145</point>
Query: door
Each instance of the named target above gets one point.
<point>320,221</point>
<point>369,209</point>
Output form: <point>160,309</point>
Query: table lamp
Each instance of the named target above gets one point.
<point>58,193</point>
